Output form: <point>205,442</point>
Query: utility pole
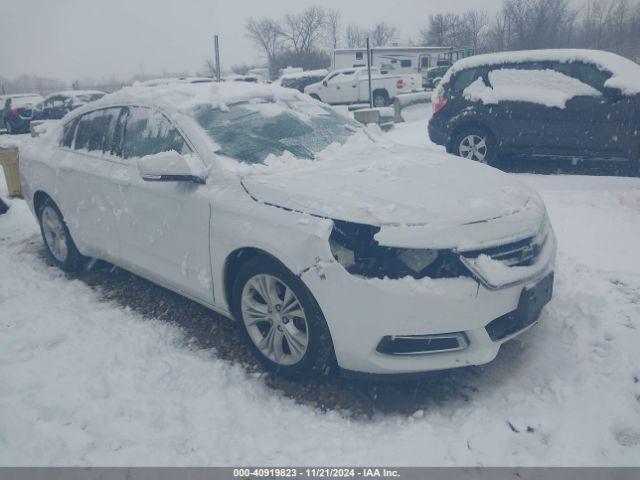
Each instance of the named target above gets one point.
<point>369,71</point>
<point>216,48</point>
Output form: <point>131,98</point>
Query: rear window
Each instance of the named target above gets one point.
<point>465,78</point>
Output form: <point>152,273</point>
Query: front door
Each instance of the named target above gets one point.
<point>163,226</point>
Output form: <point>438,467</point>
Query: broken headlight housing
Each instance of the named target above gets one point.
<point>353,246</point>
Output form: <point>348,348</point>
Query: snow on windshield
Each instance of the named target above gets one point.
<point>251,131</point>
<point>545,87</point>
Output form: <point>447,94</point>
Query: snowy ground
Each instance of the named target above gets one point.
<point>92,373</point>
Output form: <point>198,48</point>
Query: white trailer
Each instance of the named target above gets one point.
<point>403,60</point>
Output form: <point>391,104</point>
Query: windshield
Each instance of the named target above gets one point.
<point>251,131</point>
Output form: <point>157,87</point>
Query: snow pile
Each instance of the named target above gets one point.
<point>544,87</point>
<point>625,74</point>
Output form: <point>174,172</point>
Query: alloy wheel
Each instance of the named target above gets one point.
<point>473,147</point>
<point>54,234</point>
<point>274,319</point>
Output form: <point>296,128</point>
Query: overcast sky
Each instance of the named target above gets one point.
<point>72,39</point>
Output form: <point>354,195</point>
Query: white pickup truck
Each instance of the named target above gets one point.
<point>351,85</point>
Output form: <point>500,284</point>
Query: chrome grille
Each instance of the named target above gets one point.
<point>520,253</point>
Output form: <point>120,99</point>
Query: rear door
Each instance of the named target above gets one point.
<point>163,226</point>
<point>90,198</point>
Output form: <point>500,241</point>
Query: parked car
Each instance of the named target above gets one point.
<point>18,110</point>
<point>433,76</point>
<point>351,85</point>
<point>57,105</point>
<point>325,244</point>
<point>299,80</point>
<point>558,103</point>
<point>154,82</point>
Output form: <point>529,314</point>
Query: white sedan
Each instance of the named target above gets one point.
<point>327,243</point>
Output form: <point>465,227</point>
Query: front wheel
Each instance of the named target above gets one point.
<point>280,320</point>
<point>475,143</point>
<point>57,239</point>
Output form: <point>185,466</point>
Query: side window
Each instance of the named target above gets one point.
<point>405,63</point>
<point>68,133</point>
<point>584,72</point>
<point>148,132</point>
<point>95,130</point>
<point>424,62</point>
<point>359,55</point>
<point>465,78</point>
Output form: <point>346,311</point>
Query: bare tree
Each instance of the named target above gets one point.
<point>332,26</point>
<point>382,34</point>
<point>267,34</point>
<point>303,30</point>
<point>475,24</point>
<point>209,68</point>
<point>355,37</point>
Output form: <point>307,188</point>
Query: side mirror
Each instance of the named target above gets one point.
<point>324,82</point>
<point>169,167</point>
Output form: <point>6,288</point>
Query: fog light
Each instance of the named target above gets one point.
<point>422,344</point>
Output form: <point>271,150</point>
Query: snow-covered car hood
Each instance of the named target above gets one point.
<point>419,198</point>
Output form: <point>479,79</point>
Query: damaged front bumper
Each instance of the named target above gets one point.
<point>364,313</point>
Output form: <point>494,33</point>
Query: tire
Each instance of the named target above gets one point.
<point>466,142</point>
<point>259,319</point>
<point>380,99</point>
<point>57,239</point>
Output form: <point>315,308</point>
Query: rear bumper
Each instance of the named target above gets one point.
<point>438,132</point>
<point>360,312</point>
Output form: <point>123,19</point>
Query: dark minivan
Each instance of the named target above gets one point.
<point>556,103</point>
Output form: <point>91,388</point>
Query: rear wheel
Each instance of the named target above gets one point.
<point>475,143</point>
<point>280,320</point>
<point>380,99</point>
<point>57,239</point>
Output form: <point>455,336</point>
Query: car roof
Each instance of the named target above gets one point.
<point>183,97</point>
<point>625,73</point>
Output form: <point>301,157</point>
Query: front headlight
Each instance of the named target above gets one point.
<point>541,236</point>
<point>353,246</point>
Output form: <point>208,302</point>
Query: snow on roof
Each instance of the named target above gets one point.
<point>391,49</point>
<point>625,73</point>
<point>307,73</point>
<point>186,96</point>
<point>76,93</point>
